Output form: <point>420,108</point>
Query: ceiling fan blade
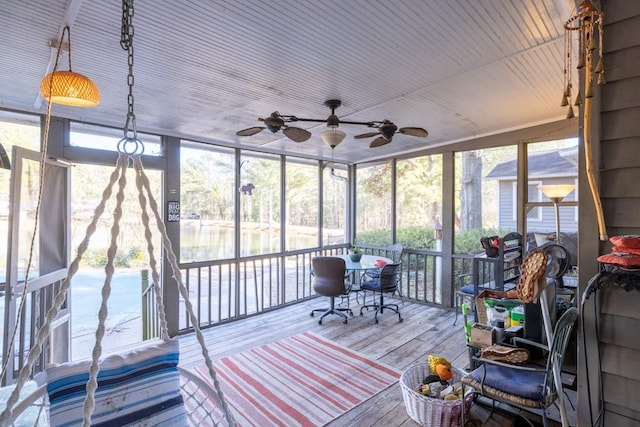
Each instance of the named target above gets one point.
<point>379,142</point>
<point>297,134</point>
<point>414,132</point>
<point>250,131</point>
<point>366,135</point>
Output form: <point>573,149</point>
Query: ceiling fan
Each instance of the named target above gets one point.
<point>276,122</point>
<point>385,128</point>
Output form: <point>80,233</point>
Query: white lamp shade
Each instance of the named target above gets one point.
<point>557,191</point>
<point>333,137</point>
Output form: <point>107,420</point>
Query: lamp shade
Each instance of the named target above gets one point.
<point>332,137</point>
<point>69,88</point>
<point>557,191</point>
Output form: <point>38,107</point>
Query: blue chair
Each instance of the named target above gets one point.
<point>385,282</point>
<point>529,387</point>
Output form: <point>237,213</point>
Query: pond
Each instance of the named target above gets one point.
<point>208,240</point>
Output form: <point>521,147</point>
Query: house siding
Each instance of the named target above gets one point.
<point>547,223</point>
<point>618,150</point>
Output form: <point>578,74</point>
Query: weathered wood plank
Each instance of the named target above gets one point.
<point>623,10</point>
<point>622,34</point>
<point>619,416</point>
<point>616,391</point>
<point>621,94</point>
<point>620,330</point>
<point>621,65</point>
<point>620,124</point>
<point>425,330</point>
<point>617,153</point>
<point>621,212</point>
<point>620,361</point>
<point>615,297</point>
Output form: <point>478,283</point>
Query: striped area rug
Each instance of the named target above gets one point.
<point>303,380</point>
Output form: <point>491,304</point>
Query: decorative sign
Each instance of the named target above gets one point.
<point>173,211</point>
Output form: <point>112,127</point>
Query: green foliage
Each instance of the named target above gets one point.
<point>410,237</point>
<point>417,237</point>
<point>97,258</point>
<point>468,242</point>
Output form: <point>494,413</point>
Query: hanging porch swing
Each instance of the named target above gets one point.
<point>144,386</point>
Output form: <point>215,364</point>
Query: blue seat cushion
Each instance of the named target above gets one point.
<point>371,285</point>
<point>526,384</point>
<point>467,289</point>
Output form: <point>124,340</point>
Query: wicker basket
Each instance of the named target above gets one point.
<point>426,410</point>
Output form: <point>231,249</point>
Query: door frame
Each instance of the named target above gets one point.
<point>54,260</point>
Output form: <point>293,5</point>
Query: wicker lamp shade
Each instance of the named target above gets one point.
<point>69,88</point>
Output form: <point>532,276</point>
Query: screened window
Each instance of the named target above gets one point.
<point>373,212</point>
<point>302,203</point>
<point>104,138</point>
<point>418,201</point>
<point>207,202</point>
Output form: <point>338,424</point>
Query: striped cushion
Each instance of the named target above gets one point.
<point>138,387</point>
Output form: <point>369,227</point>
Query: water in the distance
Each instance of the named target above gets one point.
<point>202,241</point>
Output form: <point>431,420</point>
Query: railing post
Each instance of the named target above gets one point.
<point>144,282</point>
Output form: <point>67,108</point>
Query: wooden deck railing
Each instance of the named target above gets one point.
<point>227,290</point>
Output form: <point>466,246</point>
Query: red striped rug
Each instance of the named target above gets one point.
<point>303,380</point>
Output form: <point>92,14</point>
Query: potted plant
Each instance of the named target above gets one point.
<point>355,253</point>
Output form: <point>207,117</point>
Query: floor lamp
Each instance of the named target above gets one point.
<point>556,193</point>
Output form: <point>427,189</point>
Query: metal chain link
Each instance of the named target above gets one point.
<point>126,42</point>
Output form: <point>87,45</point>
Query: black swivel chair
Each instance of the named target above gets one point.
<point>386,281</point>
<point>329,280</point>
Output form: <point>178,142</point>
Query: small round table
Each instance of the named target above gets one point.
<point>367,262</point>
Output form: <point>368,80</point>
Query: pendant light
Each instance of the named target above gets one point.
<point>69,87</point>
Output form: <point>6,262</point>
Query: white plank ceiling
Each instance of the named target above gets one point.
<point>205,69</point>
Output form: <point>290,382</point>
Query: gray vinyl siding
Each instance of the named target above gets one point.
<point>506,219</point>
<point>547,221</point>
<point>619,178</point>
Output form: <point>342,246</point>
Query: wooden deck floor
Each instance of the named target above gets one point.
<point>425,330</point>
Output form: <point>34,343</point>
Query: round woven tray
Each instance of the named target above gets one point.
<point>426,410</point>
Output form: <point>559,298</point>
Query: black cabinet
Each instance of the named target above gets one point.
<point>501,272</point>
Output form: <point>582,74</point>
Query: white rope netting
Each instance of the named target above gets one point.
<point>144,194</point>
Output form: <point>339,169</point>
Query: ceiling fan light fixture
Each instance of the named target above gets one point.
<point>333,137</point>
<point>333,121</point>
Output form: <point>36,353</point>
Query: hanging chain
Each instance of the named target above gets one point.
<point>126,42</point>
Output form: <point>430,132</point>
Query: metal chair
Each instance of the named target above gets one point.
<point>397,250</point>
<point>385,282</point>
<point>465,292</point>
<point>329,280</point>
<point>527,387</point>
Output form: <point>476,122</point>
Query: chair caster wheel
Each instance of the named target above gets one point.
<point>320,322</point>
<point>311,314</point>
<point>400,321</point>
<point>345,321</point>
<point>376,321</point>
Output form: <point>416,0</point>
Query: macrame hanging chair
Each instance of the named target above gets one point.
<point>201,404</point>
<point>144,386</point>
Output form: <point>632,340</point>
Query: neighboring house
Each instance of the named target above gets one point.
<point>549,167</point>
